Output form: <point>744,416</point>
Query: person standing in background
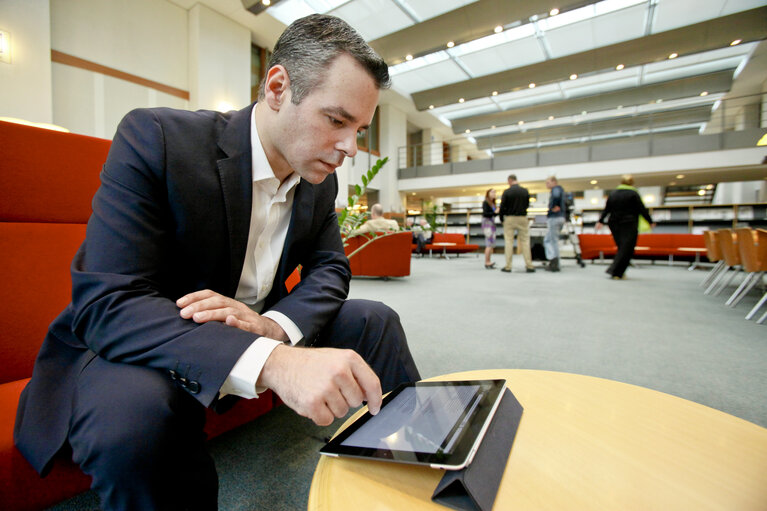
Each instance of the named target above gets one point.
<point>623,207</point>
<point>555,219</point>
<point>513,214</point>
<point>488,226</point>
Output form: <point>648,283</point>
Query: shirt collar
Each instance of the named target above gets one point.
<point>262,171</point>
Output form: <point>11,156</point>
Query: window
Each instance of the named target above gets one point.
<point>259,57</point>
<point>369,141</point>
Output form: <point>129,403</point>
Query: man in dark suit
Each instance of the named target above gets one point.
<point>179,299</point>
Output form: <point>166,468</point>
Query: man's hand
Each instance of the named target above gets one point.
<point>207,305</point>
<point>321,383</point>
<point>598,227</point>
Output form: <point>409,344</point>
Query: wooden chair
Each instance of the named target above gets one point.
<point>728,245</point>
<point>714,255</point>
<point>752,265</point>
<point>760,254</point>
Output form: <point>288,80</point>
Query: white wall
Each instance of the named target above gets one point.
<point>25,83</point>
<point>219,61</point>
<point>737,193</point>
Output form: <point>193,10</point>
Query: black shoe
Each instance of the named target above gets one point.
<point>490,266</point>
<point>506,270</point>
<point>530,270</point>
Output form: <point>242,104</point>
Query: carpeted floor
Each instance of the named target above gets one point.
<point>655,329</point>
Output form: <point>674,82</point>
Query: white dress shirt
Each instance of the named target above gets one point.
<point>269,221</point>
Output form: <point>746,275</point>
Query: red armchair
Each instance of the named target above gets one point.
<point>388,255</point>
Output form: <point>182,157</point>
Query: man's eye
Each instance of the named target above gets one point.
<point>335,122</point>
<point>361,133</point>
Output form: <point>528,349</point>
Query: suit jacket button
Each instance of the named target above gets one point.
<point>193,386</point>
<point>173,375</point>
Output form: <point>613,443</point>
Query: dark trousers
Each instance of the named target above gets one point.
<point>141,437</point>
<point>625,236</point>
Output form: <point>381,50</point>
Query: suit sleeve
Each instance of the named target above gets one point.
<point>122,309</point>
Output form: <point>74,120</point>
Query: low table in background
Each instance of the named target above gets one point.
<point>584,443</point>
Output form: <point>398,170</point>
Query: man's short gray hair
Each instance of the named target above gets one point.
<point>310,44</point>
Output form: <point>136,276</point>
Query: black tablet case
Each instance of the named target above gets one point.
<point>474,488</point>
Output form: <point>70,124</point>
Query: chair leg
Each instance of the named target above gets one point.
<point>761,320</point>
<point>729,281</point>
<point>757,307</point>
<point>748,283</point>
<point>715,282</point>
<point>712,273</point>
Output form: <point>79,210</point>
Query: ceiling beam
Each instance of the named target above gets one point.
<point>628,123</point>
<point>748,26</point>
<point>464,24</point>
<point>674,89</point>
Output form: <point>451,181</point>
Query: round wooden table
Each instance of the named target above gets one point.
<point>584,443</point>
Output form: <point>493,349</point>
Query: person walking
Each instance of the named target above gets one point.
<point>555,219</point>
<point>624,207</point>
<point>488,225</point>
<point>513,215</point>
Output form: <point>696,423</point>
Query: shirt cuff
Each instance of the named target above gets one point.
<point>290,328</point>
<point>244,375</point>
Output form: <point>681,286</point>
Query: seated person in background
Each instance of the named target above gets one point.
<point>418,236</point>
<point>377,222</point>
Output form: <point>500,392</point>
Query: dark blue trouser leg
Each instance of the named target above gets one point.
<point>373,330</point>
<point>141,439</point>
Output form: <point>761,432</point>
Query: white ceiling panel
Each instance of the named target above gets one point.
<point>519,102</point>
<point>605,30</point>
<point>426,9</point>
<point>670,14</point>
<point>435,75</point>
<point>506,56</point>
<point>373,18</point>
<point>473,110</point>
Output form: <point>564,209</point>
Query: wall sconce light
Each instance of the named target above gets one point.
<point>5,47</point>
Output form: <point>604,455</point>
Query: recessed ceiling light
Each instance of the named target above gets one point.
<point>659,100</point>
<point>573,76</point>
<point>450,44</point>
<point>468,130</point>
<point>431,107</point>
<point>461,100</point>
<point>521,123</point>
<point>408,57</point>
<point>498,29</point>
<point>492,127</point>
<point>673,55</point>
<point>709,187</point>
<point>413,193</point>
<point>619,107</point>
<point>736,42</point>
<point>531,85</point>
<point>495,93</point>
<point>701,192</point>
<point>554,12</point>
<point>680,176</point>
<point>619,67</point>
<point>593,181</point>
<point>551,117</point>
<point>672,183</point>
<point>704,93</point>
<point>266,2</point>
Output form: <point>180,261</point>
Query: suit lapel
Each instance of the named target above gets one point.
<point>235,173</point>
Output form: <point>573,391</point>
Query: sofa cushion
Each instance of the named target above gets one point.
<point>34,269</point>
<point>51,185</point>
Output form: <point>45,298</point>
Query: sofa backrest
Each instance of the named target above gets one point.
<point>47,181</point>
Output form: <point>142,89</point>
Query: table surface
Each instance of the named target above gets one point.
<point>584,443</point>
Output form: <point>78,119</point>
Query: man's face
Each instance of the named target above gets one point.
<point>315,136</point>
<point>549,184</point>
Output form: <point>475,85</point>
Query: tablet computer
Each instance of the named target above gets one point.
<point>439,424</point>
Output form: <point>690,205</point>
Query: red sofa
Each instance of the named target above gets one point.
<point>457,244</point>
<point>47,179</point>
<point>388,255</point>
<point>649,245</point>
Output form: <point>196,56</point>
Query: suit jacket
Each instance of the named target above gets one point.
<point>171,217</point>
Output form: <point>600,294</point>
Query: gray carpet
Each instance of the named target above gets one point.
<point>655,329</point>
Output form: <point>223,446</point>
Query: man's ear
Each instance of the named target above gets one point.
<point>276,87</point>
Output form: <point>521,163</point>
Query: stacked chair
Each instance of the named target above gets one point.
<point>740,249</point>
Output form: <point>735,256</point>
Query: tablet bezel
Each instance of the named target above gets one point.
<point>462,452</point>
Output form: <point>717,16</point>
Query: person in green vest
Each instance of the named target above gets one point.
<point>624,212</point>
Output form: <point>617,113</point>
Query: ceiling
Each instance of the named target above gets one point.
<point>519,73</point>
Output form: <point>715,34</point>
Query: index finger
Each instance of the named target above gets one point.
<point>194,297</point>
<point>369,383</point>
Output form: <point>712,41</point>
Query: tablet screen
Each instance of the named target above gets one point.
<point>435,423</point>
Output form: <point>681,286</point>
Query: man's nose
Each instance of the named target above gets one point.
<point>348,144</point>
